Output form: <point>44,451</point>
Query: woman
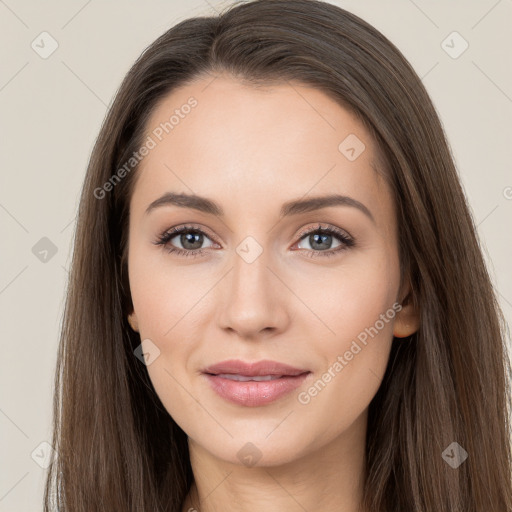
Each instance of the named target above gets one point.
<point>277,297</point>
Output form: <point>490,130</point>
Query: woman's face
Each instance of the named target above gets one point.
<point>254,279</point>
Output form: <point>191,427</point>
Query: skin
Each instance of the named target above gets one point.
<point>250,150</point>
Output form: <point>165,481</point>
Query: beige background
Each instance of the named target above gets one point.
<point>51,111</point>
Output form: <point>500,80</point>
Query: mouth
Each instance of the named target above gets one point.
<point>254,384</point>
<point>246,378</point>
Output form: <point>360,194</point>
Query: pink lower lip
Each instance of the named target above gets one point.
<point>255,393</point>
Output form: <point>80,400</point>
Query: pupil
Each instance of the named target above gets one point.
<point>195,239</point>
<point>322,240</point>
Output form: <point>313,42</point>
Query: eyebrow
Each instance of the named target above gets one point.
<point>294,207</point>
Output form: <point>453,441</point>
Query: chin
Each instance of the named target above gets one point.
<point>256,449</point>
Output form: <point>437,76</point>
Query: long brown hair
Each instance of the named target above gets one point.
<point>119,449</point>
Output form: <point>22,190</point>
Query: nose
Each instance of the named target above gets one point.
<point>254,301</point>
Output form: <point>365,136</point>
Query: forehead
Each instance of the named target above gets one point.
<point>233,141</point>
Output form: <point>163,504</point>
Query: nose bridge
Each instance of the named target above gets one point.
<point>250,272</point>
<point>251,300</point>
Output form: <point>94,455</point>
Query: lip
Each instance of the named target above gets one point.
<point>258,368</point>
<point>252,393</point>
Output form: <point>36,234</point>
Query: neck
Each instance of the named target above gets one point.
<point>328,479</point>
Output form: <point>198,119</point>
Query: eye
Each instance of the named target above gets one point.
<point>188,241</point>
<point>183,240</point>
<point>320,240</point>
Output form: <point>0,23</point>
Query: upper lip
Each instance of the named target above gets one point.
<point>258,368</point>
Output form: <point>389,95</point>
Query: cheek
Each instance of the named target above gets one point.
<point>163,294</point>
<point>165,299</point>
<point>170,303</point>
<point>357,305</point>
<point>350,298</point>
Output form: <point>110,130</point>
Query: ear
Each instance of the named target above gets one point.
<point>134,323</point>
<point>407,320</point>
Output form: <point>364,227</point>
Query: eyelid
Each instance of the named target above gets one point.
<point>325,227</point>
<point>176,230</point>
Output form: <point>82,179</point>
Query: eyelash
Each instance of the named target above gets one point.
<point>346,241</point>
